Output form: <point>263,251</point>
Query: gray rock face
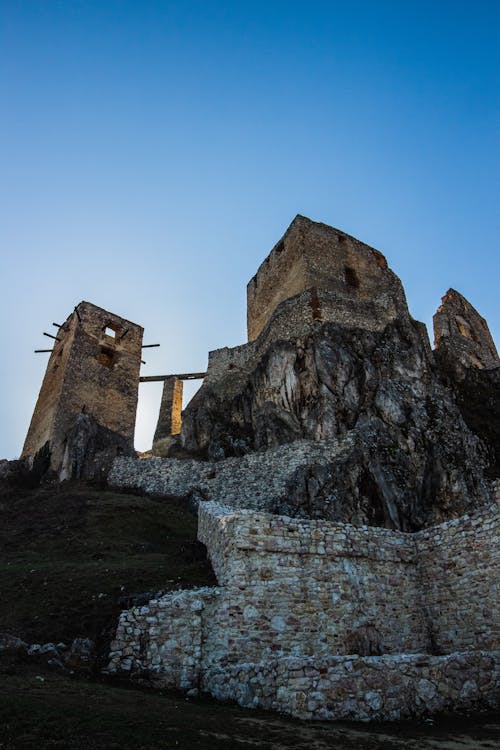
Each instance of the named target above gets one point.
<point>91,449</point>
<point>407,457</point>
<point>375,427</point>
<point>463,339</point>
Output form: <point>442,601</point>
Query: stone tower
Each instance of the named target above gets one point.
<point>461,336</point>
<point>350,282</point>
<point>86,409</point>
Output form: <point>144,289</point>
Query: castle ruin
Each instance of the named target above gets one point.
<point>342,471</point>
<point>85,413</point>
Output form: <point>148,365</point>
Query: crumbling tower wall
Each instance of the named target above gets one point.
<point>170,419</point>
<point>312,255</point>
<point>85,413</point>
<point>461,336</point>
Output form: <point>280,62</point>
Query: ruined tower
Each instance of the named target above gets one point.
<point>85,413</point>
<point>461,336</point>
<point>349,281</point>
<point>170,419</point>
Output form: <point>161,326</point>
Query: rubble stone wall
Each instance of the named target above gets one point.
<point>459,562</point>
<point>363,688</point>
<point>256,480</point>
<point>324,620</point>
<point>165,638</point>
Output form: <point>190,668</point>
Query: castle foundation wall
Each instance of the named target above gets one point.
<point>361,688</point>
<point>327,620</point>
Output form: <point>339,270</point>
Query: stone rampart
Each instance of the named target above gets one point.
<point>317,619</point>
<point>256,480</point>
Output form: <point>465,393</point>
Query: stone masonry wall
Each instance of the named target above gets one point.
<point>363,688</point>
<point>315,256</point>
<point>459,562</point>
<point>297,317</point>
<point>315,619</point>
<point>165,638</point>
<point>94,370</point>
<point>310,587</point>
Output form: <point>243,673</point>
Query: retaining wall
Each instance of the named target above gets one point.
<point>312,617</point>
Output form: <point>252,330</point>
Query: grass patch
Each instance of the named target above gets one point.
<point>72,556</point>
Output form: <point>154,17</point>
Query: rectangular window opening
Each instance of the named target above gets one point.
<point>110,332</point>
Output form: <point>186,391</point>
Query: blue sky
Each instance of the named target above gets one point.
<point>153,152</point>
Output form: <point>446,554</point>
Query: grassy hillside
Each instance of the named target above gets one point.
<point>72,555</point>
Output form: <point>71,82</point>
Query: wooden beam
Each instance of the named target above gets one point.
<point>181,376</point>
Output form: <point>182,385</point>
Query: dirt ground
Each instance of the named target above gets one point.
<point>44,709</point>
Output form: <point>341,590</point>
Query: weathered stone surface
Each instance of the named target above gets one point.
<point>478,398</point>
<point>90,449</point>
<point>325,620</point>
<point>315,256</point>
<point>345,362</point>
<point>169,420</point>
<point>93,370</point>
<point>462,337</point>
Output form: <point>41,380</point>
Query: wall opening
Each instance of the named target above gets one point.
<point>351,277</point>
<point>111,332</point>
<point>107,357</point>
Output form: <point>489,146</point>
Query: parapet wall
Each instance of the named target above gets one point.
<point>308,612</point>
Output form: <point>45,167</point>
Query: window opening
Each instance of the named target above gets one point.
<point>351,277</point>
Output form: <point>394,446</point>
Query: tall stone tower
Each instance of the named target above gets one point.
<point>86,409</point>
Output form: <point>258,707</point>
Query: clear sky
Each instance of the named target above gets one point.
<point>152,153</point>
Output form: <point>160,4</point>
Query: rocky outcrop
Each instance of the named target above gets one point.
<point>405,455</point>
<point>334,355</point>
<point>91,449</point>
